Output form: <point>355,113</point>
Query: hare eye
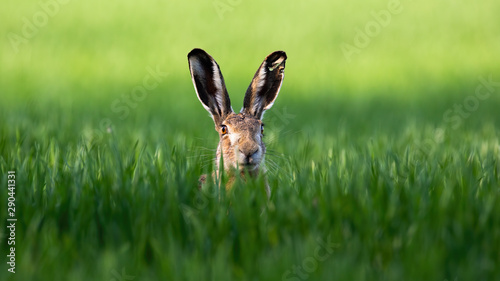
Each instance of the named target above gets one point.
<point>223,129</point>
<point>262,128</point>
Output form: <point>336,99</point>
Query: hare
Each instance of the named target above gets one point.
<point>241,146</point>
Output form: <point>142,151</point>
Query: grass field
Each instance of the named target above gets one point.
<point>384,162</point>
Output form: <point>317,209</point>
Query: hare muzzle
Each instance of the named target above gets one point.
<point>249,158</point>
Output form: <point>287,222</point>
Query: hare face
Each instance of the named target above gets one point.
<point>241,142</point>
<point>240,146</point>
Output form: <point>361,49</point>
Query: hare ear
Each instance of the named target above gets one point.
<point>265,86</point>
<point>209,84</point>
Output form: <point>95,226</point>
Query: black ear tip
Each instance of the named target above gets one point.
<point>278,55</point>
<point>276,60</point>
<point>197,52</point>
<point>281,53</point>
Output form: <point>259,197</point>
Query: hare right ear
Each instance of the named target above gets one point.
<point>265,86</point>
<point>209,84</point>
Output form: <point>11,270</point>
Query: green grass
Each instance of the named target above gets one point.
<point>360,154</point>
<point>395,207</point>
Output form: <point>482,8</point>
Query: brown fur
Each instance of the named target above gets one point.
<point>241,148</point>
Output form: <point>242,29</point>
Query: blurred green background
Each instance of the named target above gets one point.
<point>69,71</point>
<point>101,50</point>
<point>83,56</point>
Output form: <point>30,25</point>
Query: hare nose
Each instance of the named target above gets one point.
<point>249,159</point>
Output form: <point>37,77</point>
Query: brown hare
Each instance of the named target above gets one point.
<point>241,146</point>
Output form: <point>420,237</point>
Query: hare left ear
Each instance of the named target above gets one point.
<point>209,84</point>
<point>265,86</point>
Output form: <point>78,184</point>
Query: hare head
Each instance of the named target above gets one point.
<point>241,146</point>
